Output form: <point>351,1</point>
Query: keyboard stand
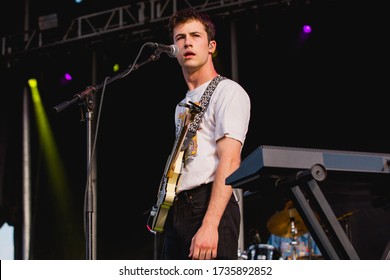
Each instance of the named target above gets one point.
<point>329,236</point>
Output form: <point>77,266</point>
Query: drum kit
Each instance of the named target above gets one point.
<point>287,223</point>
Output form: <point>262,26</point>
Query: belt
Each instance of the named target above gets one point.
<point>193,192</point>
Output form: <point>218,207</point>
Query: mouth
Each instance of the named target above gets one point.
<point>188,54</point>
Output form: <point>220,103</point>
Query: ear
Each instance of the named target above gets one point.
<point>212,46</point>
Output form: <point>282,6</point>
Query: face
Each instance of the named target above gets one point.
<point>195,50</point>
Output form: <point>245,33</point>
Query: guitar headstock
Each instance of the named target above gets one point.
<point>193,109</point>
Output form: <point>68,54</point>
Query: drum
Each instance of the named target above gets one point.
<point>261,252</point>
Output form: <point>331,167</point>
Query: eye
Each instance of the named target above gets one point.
<point>179,37</point>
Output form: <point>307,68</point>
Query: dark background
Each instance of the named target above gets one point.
<point>326,92</point>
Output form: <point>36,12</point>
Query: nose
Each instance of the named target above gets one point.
<point>188,41</point>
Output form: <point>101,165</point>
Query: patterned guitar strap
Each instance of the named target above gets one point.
<point>203,103</point>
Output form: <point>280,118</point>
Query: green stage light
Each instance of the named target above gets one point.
<point>115,68</point>
<point>56,176</point>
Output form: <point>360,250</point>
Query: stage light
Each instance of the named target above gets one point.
<point>32,83</point>
<point>304,35</point>
<point>115,68</point>
<point>56,173</point>
<point>306,28</point>
<point>54,166</point>
<point>66,78</point>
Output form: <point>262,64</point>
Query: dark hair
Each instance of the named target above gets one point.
<point>185,15</point>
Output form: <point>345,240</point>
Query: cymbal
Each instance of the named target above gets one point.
<point>282,223</point>
<point>346,215</point>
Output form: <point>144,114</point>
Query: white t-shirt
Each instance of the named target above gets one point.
<point>227,114</point>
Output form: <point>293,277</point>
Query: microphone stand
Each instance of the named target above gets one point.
<point>88,104</point>
<point>293,242</point>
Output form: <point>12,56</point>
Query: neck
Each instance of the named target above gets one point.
<point>199,76</point>
<point>194,80</point>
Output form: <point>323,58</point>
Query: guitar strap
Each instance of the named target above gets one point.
<point>203,103</point>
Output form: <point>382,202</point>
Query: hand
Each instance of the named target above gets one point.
<point>204,244</point>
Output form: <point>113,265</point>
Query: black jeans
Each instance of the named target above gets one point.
<point>185,217</point>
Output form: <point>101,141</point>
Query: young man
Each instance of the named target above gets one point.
<point>204,220</point>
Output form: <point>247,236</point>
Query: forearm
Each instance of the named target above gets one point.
<point>229,153</point>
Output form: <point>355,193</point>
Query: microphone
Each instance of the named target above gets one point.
<point>171,50</point>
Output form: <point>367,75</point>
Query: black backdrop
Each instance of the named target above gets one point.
<point>323,93</point>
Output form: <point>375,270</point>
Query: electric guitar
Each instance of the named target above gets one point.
<point>171,176</point>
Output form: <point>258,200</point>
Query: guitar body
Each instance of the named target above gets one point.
<point>168,185</point>
<point>167,194</point>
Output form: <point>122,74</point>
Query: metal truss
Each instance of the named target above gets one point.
<point>136,19</point>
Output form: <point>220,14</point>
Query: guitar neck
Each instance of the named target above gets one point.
<point>170,179</point>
